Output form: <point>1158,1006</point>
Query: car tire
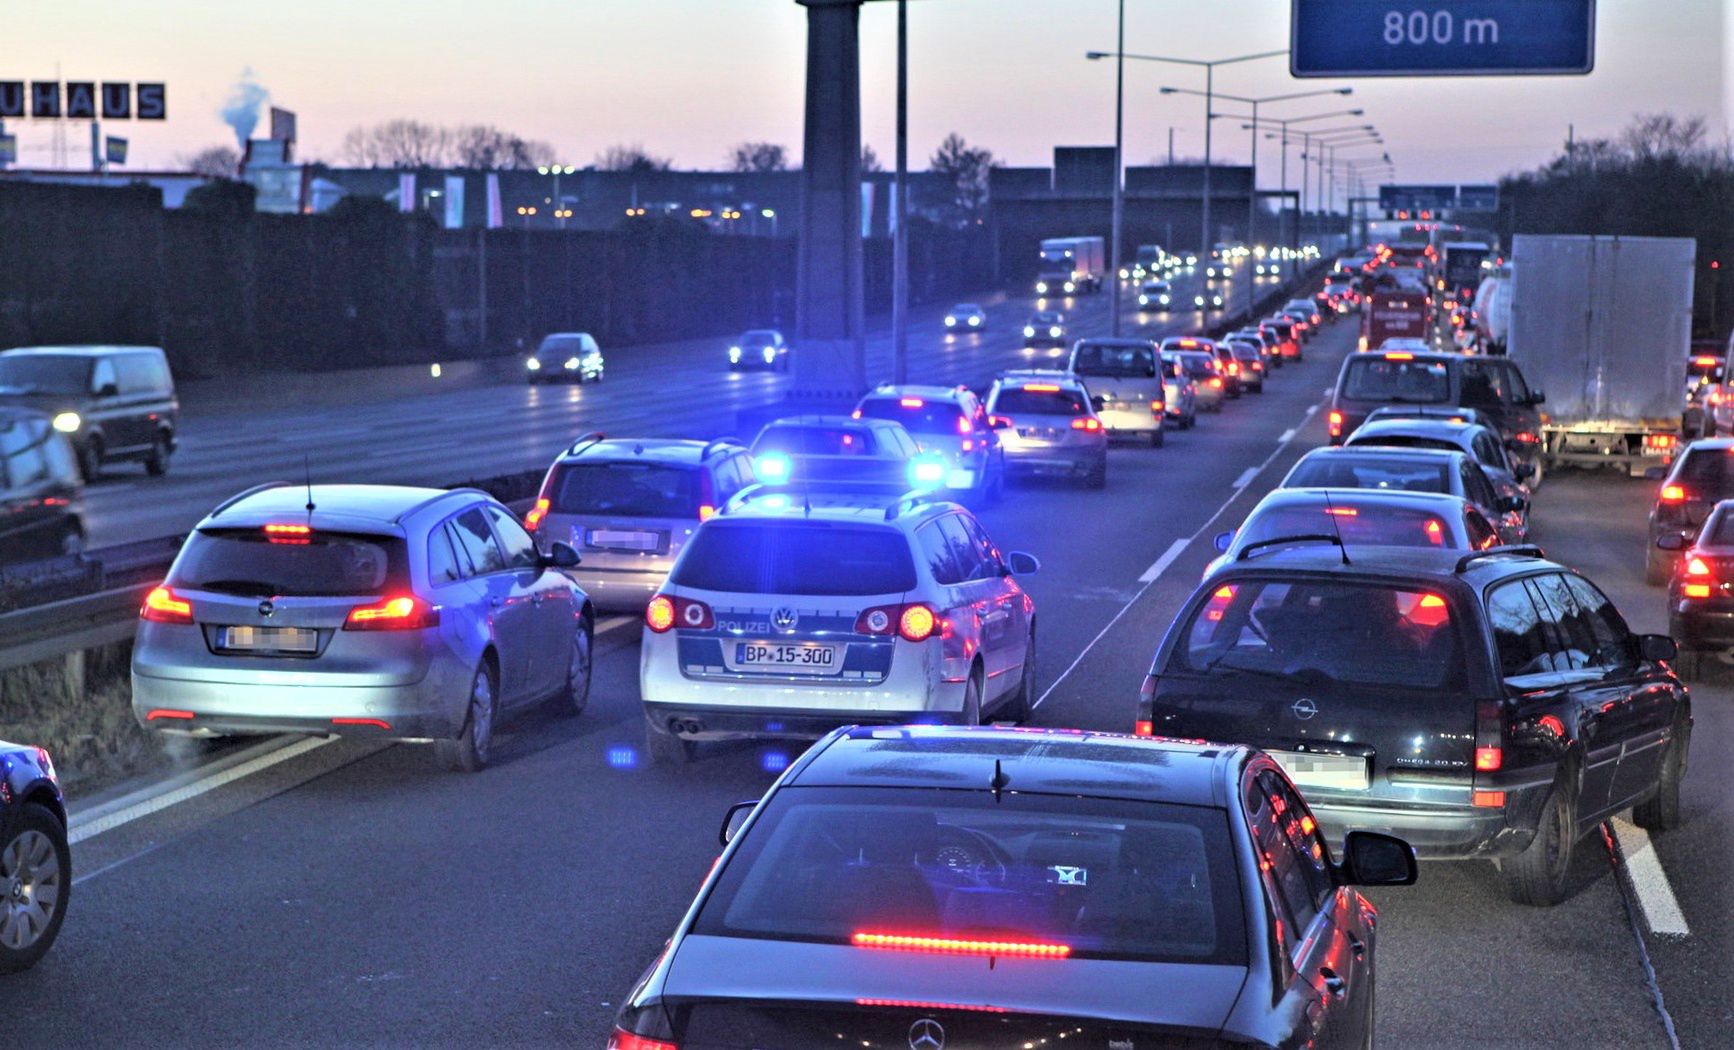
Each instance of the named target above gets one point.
<point>157,463</point>
<point>1661,811</point>
<point>580,665</point>
<point>474,746</point>
<point>90,459</point>
<point>666,749</point>
<point>72,543</point>
<point>35,847</point>
<point>1019,706</point>
<point>970,715</point>
<point>1098,476</point>
<point>1158,437</point>
<point>1689,664</point>
<point>1537,875</point>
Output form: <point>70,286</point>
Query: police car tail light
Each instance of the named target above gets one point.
<point>659,614</point>
<point>533,520</point>
<point>403,612</point>
<point>665,612</point>
<point>162,605</point>
<point>912,942</point>
<point>917,623</point>
<point>624,1040</point>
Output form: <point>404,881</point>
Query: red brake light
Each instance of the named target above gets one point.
<point>1672,493</point>
<point>169,712</point>
<point>1336,424</point>
<point>288,530</point>
<point>706,512</point>
<point>1086,423</point>
<point>1143,728</point>
<point>1399,357</point>
<point>659,614</point>
<point>1488,759</point>
<point>1042,388</point>
<point>1343,512</point>
<point>1526,437</point>
<point>964,426</point>
<point>376,723</point>
<point>1695,566</point>
<point>1707,362</point>
<point>957,946</point>
<point>910,402</point>
<point>916,623</point>
<point>1695,590</point>
<point>665,612</point>
<point>1188,342</point>
<point>1233,368</point>
<point>1435,536</point>
<point>403,612</point>
<point>537,512</point>
<point>1157,407</point>
<point>162,605</point>
<point>624,1040</point>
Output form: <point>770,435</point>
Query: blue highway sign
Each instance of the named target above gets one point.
<point>1441,38</point>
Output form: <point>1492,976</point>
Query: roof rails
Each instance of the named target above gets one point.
<point>239,496</point>
<point>585,441</point>
<point>721,444</point>
<point>1525,550</point>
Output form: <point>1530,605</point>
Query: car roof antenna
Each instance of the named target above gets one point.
<point>1331,513</point>
<point>307,472</point>
<point>999,781</point>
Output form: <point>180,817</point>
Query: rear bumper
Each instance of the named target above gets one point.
<point>1130,420</point>
<point>413,710</point>
<point>1702,624</point>
<point>1442,833</point>
<point>1053,462</point>
<point>704,722</point>
<point>619,591</point>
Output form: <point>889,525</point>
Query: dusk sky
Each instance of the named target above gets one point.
<point>689,78</point>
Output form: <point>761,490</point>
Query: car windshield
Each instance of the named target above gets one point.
<point>1356,523</point>
<point>1370,471</point>
<point>628,490</point>
<point>796,558</point>
<point>556,345</point>
<point>1375,377</point>
<point>1047,318</point>
<point>759,338</point>
<point>1116,361</point>
<point>44,374</point>
<point>1199,364</point>
<point>1039,399</point>
<point>1351,632</point>
<point>815,440</point>
<point>1244,350</point>
<point>918,415</point>
<point>1095,878</point>
<point>250,562</point>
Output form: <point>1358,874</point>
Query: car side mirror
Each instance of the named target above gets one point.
<point>1099,402</point>
<point>562,555</point>
<point>1655,473</point>
<point>1373,859</point>
<point>1536,397</point>
<point>733,820</point>
<point>1656,648</point>
<point>1223,540</point>
<point>1523,471</point>
<point>1022,564</point>
<point>107,390</point>
<point>1670,543</point>
<point>1511,504</point>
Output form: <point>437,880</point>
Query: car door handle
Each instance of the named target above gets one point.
<point>1334,983</point>
<point>495,602</point>
<point>1358,946</point>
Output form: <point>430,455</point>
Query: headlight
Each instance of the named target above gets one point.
<point>1163,299</point>
<point>1056,331</point>
<point>770,353</point>
<point>950,320</point>
<point>533,364</point>
<point>571,364</point>
<point>1029,330</point>
<point>1070,287</point>
<point>1125,274</point>
<point>1198,300</point>
<point>68,422</point>
<point>734,353</point>
<point>1041,286</point>
<point>974,321</point>
<point>1143,300</point>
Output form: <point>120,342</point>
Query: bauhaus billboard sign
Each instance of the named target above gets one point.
<point>83,100</point>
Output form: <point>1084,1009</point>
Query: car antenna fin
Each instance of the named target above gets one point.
<point>307,473</point>
<point>1331,513</point>
<point>999,781</point>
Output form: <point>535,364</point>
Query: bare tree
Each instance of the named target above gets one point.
<point>398,144</point>
<point>965,168</point>
<point>487,147</point>
<point>870,159</point>
<point>216,162</point>
<point>758,156</point>
<point>631,158</point>
<point>1653,135</point>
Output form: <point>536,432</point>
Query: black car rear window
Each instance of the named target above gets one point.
<point>627,490</point>
<point>1115,362</point>
<point>1076,877</point>
<point>1039,400</point>
<point>797,558</point>
<point>918,415</point>
<point>1337,471</point>
<point>255,562</point>
<point>1375,377</point>
<point>1352,632</point>
<point>1358,524</point>
<point>1707,474</point>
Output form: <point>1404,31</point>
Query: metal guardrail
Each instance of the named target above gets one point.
<point>79,601</point>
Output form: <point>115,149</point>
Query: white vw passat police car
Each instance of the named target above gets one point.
<point>795,611</point>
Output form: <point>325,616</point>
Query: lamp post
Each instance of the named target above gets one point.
<point>1252,195</point>
<point>1307,138</point>
<point>561,212</point>
<point>1258,123</point>
<point>1209,92</point>
<point>900,207</point>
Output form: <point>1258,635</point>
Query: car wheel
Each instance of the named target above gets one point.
<point>575,694</point>
<point>157,463</point>
<point>469,753</point>
<point>90,459</point>
<point>35,884</point>
<point>1537,875</point>
<point>1661,811</point>
<point>971,713</point>
<point>1018,707</point>
<point>665,748</point>
<point>1098,476</point>
<point>1158,436</point>
<point>1689,664</point>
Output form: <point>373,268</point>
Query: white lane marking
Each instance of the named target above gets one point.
<point>1160,565</point>
<point>1153,573</point>
<point>1649,882</point>
<point>1311,409</point>
<point>1287,436</point>
<point>1329,390</point>
<point>613,623</point>
<point>1245,478</point>
<point>80,831</point>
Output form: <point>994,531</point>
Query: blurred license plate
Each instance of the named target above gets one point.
<point>791,658</point>
<point>273,639</point>
<point>623,539</point>
<point>1330,771</point>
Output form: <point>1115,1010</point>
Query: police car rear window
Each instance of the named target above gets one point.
<point>800,558</point>
<point>1074,877</point>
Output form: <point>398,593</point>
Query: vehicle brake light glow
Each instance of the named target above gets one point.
<point>624,1040</point>
<point>1088,424</point>
<point>169,712</point>
<point>403,612</point>
<point>910,402</point>
<point>162,605</point>
<point>1672,493</point>
<point>1216,382</point>
<point>288,530</point>
<point>1307,824</point>
<point>1157,407</point>
<point>1343,512</point>
<point>958,946</point>
<point>376,723</point>
<point>1706,362</point>
<point>964,426</point>
<point>533,520</point>
<point>1488,759</point>
<point>1695,590</point>
<point>1042,388</point>
<point>1336,424</point>
<point>1435,536</point>
<point>659,614</point>
<point>1144,727</point>
<point>706,512</point>
<point>921,1004</point>
<point>1399,357</point>
<point>917,623</point>
<point>1695,566</point>
<point>1526,437</point>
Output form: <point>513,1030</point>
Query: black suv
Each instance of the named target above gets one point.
<point>113,402</point>
<point>1492,704</point>
<point>1493,386</point>
<point>40,493</point>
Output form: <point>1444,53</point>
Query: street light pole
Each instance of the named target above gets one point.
<point>1119,169</point>
<point>900,236</point>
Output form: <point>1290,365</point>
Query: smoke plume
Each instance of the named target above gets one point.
<point>241,110</point>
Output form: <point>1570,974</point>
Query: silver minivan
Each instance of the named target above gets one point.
<point>1125,384</point>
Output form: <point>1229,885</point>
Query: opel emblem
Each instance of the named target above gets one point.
<point>1304,708</point>
<point>785,618</point>
<point>266,608</point>
<point>926,1034</point>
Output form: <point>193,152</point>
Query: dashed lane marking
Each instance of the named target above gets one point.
<point>1287,436</point>
<point>1161,564</point>
<point>1245,478</point>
